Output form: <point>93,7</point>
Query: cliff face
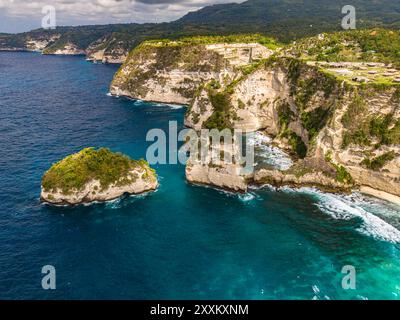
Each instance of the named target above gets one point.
<point>92,191</point>
<point>28,42</point>
<point>343,132</point>
<point>107,55</point>
<point>172,72</point>
<point>349,133</point>
<point>109,49</point>
<point>364,136</point>
<point>106,49</point>
<point>225,176</point>
<point>65,49</point>
<point>40,43</point>
<point>251,101</point>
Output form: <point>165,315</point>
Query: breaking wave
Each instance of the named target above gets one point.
<point>356,206</point>
<point>175,106</point>
<point>248,197</point>
<point>270,155</point>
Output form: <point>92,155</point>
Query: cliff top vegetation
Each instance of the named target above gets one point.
<point>76,170</point>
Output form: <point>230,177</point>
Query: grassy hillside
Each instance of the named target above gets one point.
<point>284,19</point>
<point>204,40</point>
<point>378,45</point>
<point>291,19</point>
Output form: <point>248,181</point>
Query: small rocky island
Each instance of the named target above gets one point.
<point>96,175</point>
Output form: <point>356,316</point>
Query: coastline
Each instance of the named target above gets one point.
<point>128,97</point>
<point>363,189</point>
<point>380,194</point>
<point>99,201</point>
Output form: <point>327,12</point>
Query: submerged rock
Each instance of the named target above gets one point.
<point>96,175</point>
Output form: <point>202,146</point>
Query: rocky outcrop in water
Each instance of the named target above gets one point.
<point>96,175</point>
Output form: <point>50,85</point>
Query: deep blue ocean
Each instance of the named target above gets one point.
<point>181,242</point>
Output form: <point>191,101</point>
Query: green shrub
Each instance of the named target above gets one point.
<point>212,39</point>
<point>285,115</point>
<point>379,126</point>
<point>342,175</point>
<point>250,68</point>
<point>354,112</point>
<point>223,115</point>
<point>315,120</point>
<point>241,104</point>
<point>393,135</point>
<point>75,171</point>
<point>328,156</point>
<point>214,84</point>
<point>297,145</point>
<point>359,137</point>
<point>379,162</point>
<point>218,120</point>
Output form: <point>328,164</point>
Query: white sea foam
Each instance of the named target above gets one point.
<point>247,197</point>
<point>109,94</point>
<point>137,102</point>
<point>272,156</point>
<point>377,206</point>
<point>263,187</point>
<point>258,138</point>
<point>126,201</point>
<point>175,106</point>
<point>244,197</point>
<point>354,206</point>
<point>113,204</point>
<point>157,104</point>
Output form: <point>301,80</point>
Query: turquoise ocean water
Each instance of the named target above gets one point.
<point>181,242</point>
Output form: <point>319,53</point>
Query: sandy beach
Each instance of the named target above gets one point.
<point>380,194</point>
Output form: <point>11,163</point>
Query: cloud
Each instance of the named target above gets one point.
<point>18,15</point>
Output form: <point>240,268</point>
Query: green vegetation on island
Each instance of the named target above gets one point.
<point>75,171</point>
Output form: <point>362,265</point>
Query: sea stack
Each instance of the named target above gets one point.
<point>96,175</point>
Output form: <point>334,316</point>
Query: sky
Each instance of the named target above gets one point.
<point>24,15</point>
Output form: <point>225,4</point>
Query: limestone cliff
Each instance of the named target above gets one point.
<point>109,49</point>
<point>342,132</point>
<point>172,72</point>
<point>347,132</point>
<point>68,48</point>
<point>40,43</point>
<point>29,42</point>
